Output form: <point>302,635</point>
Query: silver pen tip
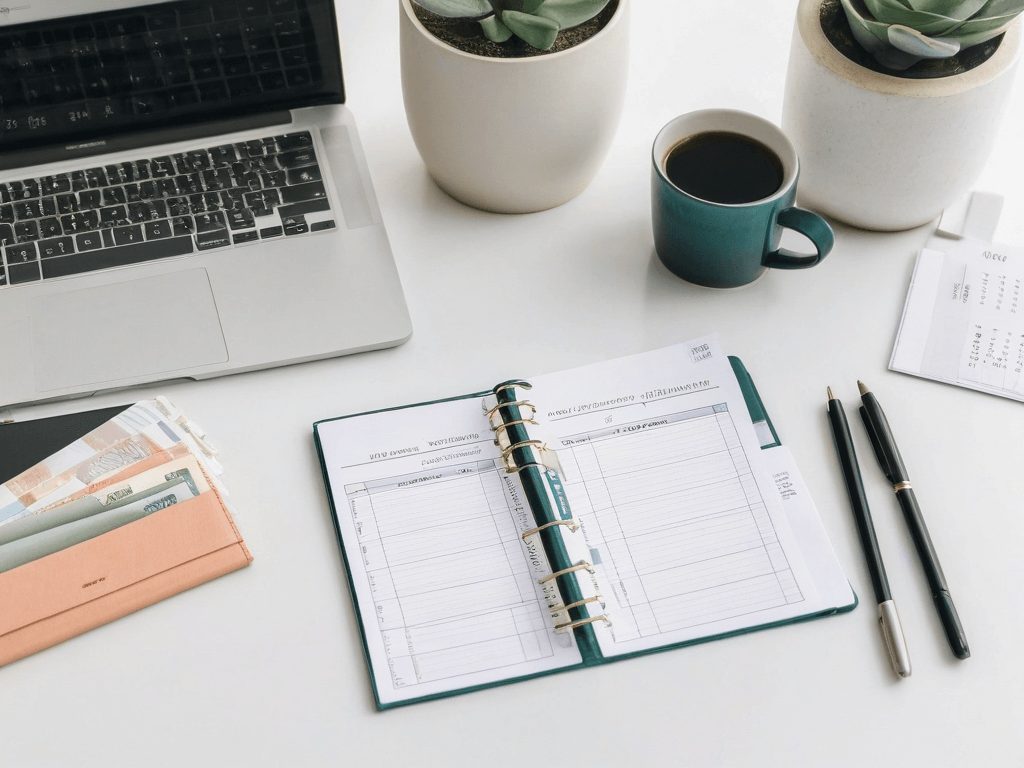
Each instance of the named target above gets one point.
<point>830,395</point>
<point>889,622</point>
<point>862,387</point>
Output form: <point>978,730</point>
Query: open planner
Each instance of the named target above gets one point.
<point>575,519</point>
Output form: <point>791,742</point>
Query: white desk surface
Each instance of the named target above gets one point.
<point>265,668</point>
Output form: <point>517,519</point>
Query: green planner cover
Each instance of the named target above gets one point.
<point>360,512</point>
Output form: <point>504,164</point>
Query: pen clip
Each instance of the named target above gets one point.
<point>876,445</point>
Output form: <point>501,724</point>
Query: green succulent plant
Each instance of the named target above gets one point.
<point>538,22</point>
<point>900,33</point>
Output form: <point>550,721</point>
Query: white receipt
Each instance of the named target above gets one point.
<point>963,322</point>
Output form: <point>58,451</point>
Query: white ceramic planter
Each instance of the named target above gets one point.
<point>514,135</point>
<point>883,152</point>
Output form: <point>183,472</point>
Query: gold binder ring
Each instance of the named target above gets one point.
<point>573,624</point>
<point>577,604</point>
<point>511,469</point>
<point>537,444</point>
<point>507,424</point>
<point>520,384</point>
<point>904,486</point>
<point>580,567</point>
<point>517,403</point>
<point>571,523</point>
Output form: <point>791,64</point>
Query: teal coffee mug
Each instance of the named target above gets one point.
<point>723,187</point>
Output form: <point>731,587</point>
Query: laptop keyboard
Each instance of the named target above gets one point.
<point>171,205</point>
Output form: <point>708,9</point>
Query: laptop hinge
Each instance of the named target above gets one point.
<point>148,138</point>
<point>6,416</point>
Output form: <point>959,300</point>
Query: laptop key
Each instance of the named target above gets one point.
<point>223,155</point>
<point>183,225</point>
<point>22,253</point>
<point>241,218</point>
<point>213,239</point>
<point>67,203</point>
<point>209,222</point>
<point>295,225</point>
<point>120,256</point>
<point>23,190</point>
<point>157,210</point>
<point>95,178</point>
<point>273,178</point>
<point>309,206</point>
<point>296,159</point>
<point>156,230</point>
<point>138,212</point>
<point>127,235</point>
<point>26,231</point>
<point>89,241</point>
<point>22,263</point>
<point>80,222</point>
<point>60,246</point>
<point>6,214</point>
<point>53,185</point>
<point>31,209</point>
<point>50,228</point>
<point>303,175</point>
<point>292,141</point>
<point>319,226</point>
<point>161,166</point>
<point>268,232</point>
<point>114,216</point>
<point>178,206</point>
<point>114,174</point>
<point>301,192</point>
<point>114,196</point>
<point>246,237</point>
<point>6,234</point>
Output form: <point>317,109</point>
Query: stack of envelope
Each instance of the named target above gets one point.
<point>129,514</point>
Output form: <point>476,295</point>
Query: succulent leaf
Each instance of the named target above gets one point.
<point>892,12</point>
<point>571,13</point>
<point>913,42</point>
<point>457,9</point>
<point>523,6</point>
<point>495,30</point>
<point>960,11</point>
<point>899,33</point>
<point>1002,8</point>
<point>535,30</point>
<point>538,22</point>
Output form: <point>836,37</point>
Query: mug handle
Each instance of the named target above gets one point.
<point>811,226</point>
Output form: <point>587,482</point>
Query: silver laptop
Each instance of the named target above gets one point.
<point>183,194</point>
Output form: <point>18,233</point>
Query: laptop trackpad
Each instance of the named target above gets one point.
<point>156,325</point>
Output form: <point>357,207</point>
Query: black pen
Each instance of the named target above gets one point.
<point>892,465</point>
<point>888,618</point>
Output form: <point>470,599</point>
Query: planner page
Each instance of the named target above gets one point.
<point>662,469</point>
<point>446,587</point>
<point>963,321</point>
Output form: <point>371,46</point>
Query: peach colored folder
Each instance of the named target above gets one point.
<point>50,600</point>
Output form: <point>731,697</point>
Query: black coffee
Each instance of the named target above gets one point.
<point>724,167</point>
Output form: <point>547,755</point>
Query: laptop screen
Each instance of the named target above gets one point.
<point>72,78</point>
